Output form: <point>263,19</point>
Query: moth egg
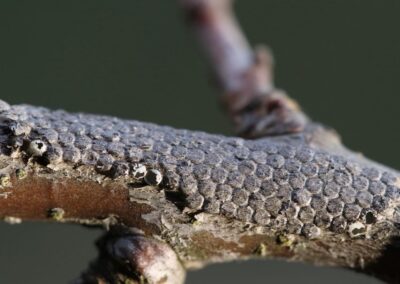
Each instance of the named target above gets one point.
<point>37,148</point>
<point>153,177</point>
<point>139,171</point>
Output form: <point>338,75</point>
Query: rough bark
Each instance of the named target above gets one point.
<point>175,199</point>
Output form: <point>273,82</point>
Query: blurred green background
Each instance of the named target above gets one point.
<point>135,59</point>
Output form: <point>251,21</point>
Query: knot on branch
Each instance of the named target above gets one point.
<point>126,256</point>
<point>267,115</point>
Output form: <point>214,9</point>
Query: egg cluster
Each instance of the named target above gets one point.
<point>291,188</point>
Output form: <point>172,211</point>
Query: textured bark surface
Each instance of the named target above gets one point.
<point>212,198</point>
<point>177,199</point>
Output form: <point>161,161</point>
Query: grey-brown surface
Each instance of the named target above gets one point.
<point>299,183</point>
<point>130,114</point>
<point>299,196</point>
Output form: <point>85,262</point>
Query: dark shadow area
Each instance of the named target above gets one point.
<point>387,266</point>
<point>267,272</point>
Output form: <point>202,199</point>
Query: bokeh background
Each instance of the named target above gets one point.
<point>135,59</point>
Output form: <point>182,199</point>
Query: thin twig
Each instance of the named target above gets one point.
<point>245,76</point>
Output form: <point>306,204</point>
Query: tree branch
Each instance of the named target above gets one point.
<point>245,76</point>
<point>176,199</point>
